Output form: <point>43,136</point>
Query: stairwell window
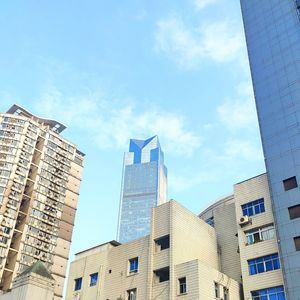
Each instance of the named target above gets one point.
<point>162,243</point>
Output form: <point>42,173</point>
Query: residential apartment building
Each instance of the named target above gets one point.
<point>144,186</point>
<point>272,30</point>
<point>40,174</point>
<point>258,244</point>
<point>247,239</point>
<point>179,259</point>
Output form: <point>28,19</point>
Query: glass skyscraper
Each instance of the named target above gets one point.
<point>272,29</point>
<point>144,186</point>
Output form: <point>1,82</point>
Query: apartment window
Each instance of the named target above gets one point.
<point>294,211</point>
<point>217,290</point>
<point>131,294</point>
<point>133,265</point>
<point>78,284</point>
<point>297,243</point>
<point>93,279</point>
<point>264,264</point>
<point>260,234</point>
<point>162,243</point>
<point>276,293</point>
<point>290,183</point>
<point>226,293</point>
<point>161,275</point>
<point>254,207</point>
<point>182,285</point>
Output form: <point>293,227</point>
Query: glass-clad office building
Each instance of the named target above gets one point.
<point>144,186</point>
<point>272,29</point>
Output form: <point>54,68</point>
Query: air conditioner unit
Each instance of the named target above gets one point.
<point>244,220</point>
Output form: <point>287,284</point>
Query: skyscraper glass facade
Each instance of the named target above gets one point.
<point>144,185</point>
<point>272,31</point>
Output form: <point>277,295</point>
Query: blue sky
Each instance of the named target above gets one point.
<point>114,70</point>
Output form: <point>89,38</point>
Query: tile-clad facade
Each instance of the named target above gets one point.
<point>189,251</point>
<point>39,187</point>
<point>272,30</point>
<point>221,215</point>
<point>262,244</point>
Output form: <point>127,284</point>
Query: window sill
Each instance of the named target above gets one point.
<point>183,294</point>
<point>132,274</point>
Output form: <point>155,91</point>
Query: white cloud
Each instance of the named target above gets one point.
<point>240,112</point>
<point>201,4</point>
<point>242,150</point>
<point>110,122</point>
<point>188,47</point>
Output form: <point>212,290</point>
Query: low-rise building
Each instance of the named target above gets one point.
<point>178,260</point>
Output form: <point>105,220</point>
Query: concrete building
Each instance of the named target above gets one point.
<point>179,259</point>
<point>272,30</point>
<point>221,215</point>
<point>40,175</point>
<point>245,227</point>
<point>258,244</point>
<point>144,186</point>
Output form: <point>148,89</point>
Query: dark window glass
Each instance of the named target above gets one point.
<point>133,265</point>
<point>182,285</point>
<point>297,243</point>
<point>294,211</point>
<point>78,284</point>
<point>93,279</point>
<point>290,183</point>
<point>162,243</point>
<point>162,275</point>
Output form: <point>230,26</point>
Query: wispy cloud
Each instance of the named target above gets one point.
<point>201,4</point>
<point>111,122</point>
<point>239,112</point>
<point>189,47</point>
<point>243,149</point>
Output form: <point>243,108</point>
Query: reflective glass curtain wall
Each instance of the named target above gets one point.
<point>272,29</point>
<point>144,185</point>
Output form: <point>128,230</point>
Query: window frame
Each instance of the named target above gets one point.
<point>182,286</point>
<point>262,264</point>
<point>292,212</point>
<point>254,208</point>
<point>93,283</point>
<point>262,232</point>
<point>297,243</point>
<point>132,296</point>
<point>77,284</point>
<point>133,265</point>
<point>290,183</point>
<point>278,290</point>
